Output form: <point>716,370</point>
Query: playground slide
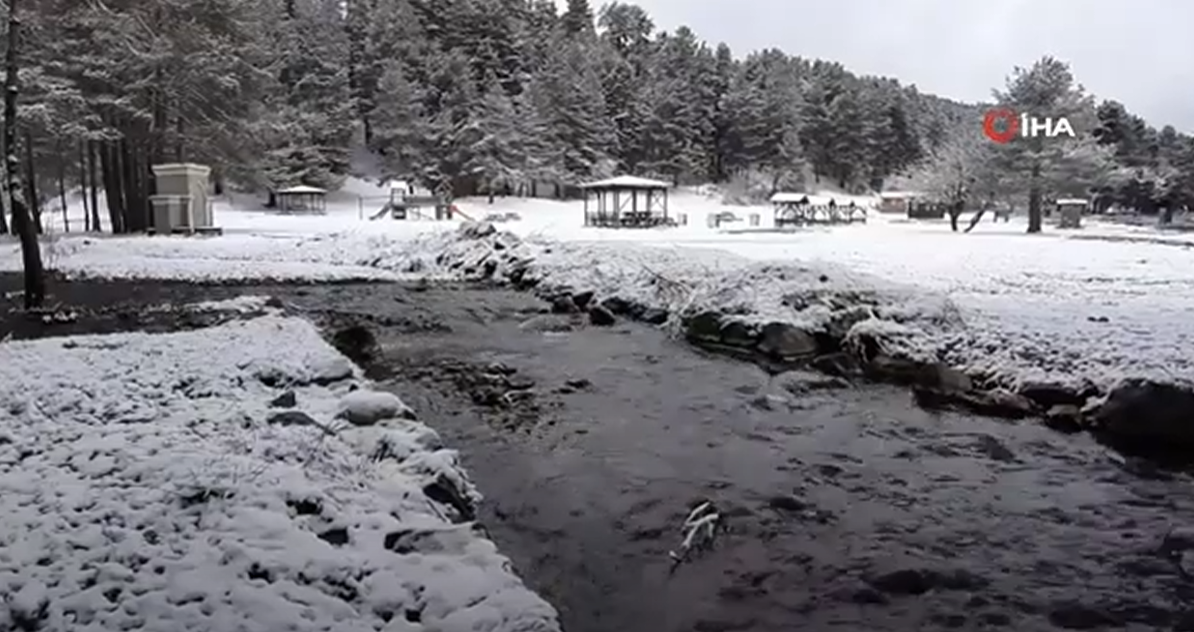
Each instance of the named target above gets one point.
<point>457,211</point>
<point>382,213</point>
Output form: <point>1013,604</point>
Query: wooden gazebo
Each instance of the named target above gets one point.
<point>626,202</point>
<point>301,199</point>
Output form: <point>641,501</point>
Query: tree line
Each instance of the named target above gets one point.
<point>1114,158</point>
<point>489,96</point>
<point>466,96</point>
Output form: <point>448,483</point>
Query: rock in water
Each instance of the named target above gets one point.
<point>601,317</point>
<point>1149,414</point>
<point>546,323</point>
<point>356,342</point>
<point>563,305</point>
<point>781,341</point>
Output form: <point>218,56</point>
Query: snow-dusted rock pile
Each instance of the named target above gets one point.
<point>238,477</point>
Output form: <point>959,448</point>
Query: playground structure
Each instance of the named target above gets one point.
<point>404,204</point>
<point>800,209</point>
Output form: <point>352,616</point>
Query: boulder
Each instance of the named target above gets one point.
<point>840,364</point>
<point>366,408</point>
<point>653,316</point>
<point>901,370</point>
<point>618,306</point>
<point>786,342</point>
<point>704,327</point>
<point>601,317</point>
<point>563,304</point>
<point>547,323</point>
<point>1050,394</point>
<point>993,403</point>
<point>736,333</point>
<point>1065,418</point>
<point>582,299</point>
<point>1148,414</point>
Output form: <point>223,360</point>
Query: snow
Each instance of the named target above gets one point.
<point>367,407</point>
<point>142,487</point>
<point>302,188</point>
<point>796,198</point>
<point>1096,303</point>
<point>628,182</point>
<point>244,304</point>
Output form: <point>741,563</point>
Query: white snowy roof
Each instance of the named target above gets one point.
<point>898,195</point>
<point>302,188</point>
<point>627,182</point>
<point>399,184</point>
<point>795,198</point>
<point>1073,201</point>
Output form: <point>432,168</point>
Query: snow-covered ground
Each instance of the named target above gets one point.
<point>143,486</point>
<point>1098,302</point>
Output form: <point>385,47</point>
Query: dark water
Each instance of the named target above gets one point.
<point>961,522</point>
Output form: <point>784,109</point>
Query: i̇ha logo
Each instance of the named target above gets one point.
<point>1002,125</point>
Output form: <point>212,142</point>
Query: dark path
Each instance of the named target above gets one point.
<point>958,522</point>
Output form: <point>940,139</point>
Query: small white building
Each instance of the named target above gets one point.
<point>897,201</point>
<point>1070,211</point>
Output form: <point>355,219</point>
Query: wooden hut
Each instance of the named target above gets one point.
<point>301,199</point>
<point>626,202</point>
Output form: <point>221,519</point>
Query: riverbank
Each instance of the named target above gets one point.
<point>230,470</point>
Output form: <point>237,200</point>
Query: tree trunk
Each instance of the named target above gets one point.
<point>35,276</point>
<point>978,217</point>
<point>94,193</point>
<point>31,196</point>
<point>180,149</point>
<point>136,216</point>
<point>62,187</point>
<point>83,185</point>
<point>113,192</point>
<point>955,211</point>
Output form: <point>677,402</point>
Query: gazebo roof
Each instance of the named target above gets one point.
<point>1072,201</point>
<point>795,198</point>
<point>627,182</point>
<point>300,189</point>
